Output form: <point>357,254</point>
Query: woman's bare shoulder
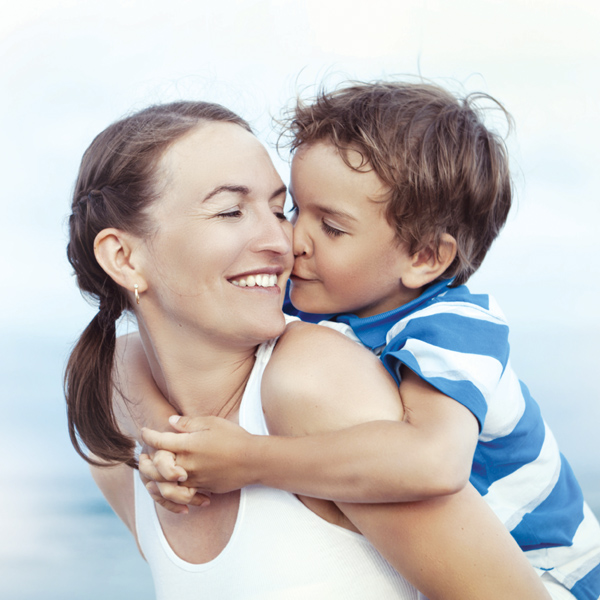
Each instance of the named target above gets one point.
<point>319,380</point>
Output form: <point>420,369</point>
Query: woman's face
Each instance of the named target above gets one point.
<point>222,252</point>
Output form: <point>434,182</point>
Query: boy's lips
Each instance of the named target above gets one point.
<point>307,278</point>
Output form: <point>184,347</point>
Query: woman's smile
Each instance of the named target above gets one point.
<point>221,232</point>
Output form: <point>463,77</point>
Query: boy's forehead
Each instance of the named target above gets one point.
<point>341,169</point>
<point>350,156</point>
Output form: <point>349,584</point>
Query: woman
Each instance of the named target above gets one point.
<point>178,216</point>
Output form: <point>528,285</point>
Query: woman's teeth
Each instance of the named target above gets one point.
<point>256,281</point>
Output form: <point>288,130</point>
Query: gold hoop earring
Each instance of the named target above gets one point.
<point>135,291</point>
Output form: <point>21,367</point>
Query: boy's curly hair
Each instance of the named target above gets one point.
<point>446,172</point>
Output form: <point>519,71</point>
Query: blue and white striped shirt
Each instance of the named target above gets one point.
<point>458,342</point>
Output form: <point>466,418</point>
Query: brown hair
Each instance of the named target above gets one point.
<point>446,172</point>
<point>117,182</point>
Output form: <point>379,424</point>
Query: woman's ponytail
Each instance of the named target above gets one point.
<point>89,389</point>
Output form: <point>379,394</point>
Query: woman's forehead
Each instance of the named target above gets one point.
<point>211,143</point>
<point>217,154</point>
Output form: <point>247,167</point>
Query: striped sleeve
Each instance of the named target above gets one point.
<point>457,348</point>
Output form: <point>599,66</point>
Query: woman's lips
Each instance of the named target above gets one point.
<point>264,280</point>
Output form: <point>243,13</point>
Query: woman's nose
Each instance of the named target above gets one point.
<point>275,235</point>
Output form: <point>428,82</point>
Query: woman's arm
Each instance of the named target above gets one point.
<point>116,483</point>
<point>449,547</point>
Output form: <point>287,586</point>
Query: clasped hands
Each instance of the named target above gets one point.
<point>204,455</point>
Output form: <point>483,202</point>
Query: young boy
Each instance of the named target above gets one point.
<point>399,191</point>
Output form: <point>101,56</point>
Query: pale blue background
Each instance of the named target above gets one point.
<point>69,67</point>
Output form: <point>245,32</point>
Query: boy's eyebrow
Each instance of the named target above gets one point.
<point>240,189</point>
<point>327,210</point>
<point>336,213</point>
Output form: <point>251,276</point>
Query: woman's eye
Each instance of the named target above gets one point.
<point>331,231</point>
<point>231,213</point>
<point>280,214</point>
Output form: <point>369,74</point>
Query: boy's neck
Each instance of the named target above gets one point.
<point>372,330</point>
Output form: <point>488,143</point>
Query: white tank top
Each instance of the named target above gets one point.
<point>279,549</point>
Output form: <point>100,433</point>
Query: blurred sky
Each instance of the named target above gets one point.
<point>69,67</point>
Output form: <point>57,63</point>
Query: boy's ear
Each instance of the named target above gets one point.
<point>427,265</point>
<point>115,252</point>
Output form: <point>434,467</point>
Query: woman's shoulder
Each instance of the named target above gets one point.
<point>301,336</point>
<point>319,380</point>
<point>306,350</point>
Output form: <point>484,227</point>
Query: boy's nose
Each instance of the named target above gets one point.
<point>301,243</point>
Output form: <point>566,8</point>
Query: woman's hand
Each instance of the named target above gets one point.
<point>208,454</point>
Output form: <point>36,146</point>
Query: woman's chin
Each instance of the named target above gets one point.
<point>274,326</point>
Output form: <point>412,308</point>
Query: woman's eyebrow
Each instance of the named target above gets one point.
<point>240,189</point>
<point>278,192</point>
<point>236,189</point>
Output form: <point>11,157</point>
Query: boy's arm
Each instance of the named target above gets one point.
<point>450,547</point>
<point>425,452</point>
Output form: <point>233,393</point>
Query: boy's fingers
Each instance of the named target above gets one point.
<point>199,500</point>
<point>169,505</point>
<point>148,470</point>
<point>174,498</point>
<point>164,462</point>
<point>188,424</point>
<point>172,442</point>
<point>176,493</point>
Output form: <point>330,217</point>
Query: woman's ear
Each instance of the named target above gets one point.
<point>115,252</point>
<point>427,264</point>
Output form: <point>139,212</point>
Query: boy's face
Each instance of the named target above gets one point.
<point>347,256</point>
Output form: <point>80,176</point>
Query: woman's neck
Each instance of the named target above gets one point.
<point>197,376</point>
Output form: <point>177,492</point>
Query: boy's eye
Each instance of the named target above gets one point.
<point>293,214</point>
<point>331,231</point>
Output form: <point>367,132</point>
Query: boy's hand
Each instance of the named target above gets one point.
<point>212,452</point>
<point>160,465</point>
<point>169,495</point>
